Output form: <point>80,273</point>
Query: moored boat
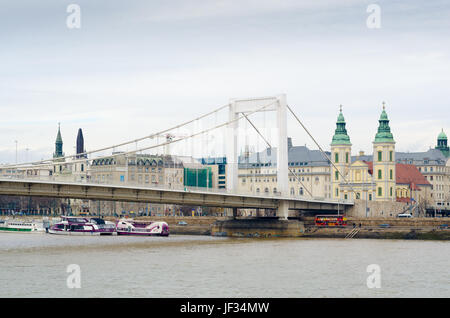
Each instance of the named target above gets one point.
<point>82,226</point>
<point>132,227</point>
<point>20,226</point>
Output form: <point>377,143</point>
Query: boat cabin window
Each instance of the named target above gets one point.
<point>76,220</point>
<point>76,227</point>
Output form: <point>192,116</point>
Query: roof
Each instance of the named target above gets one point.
<point>432,156</point>
<point>442,135</point>
<point>405,174</point>
<point>369,166</point>
<point>409,174</point>
<point>297,156</point>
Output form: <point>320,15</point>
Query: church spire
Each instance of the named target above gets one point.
<point>58,144</point>
<point>340,134</point>
<point>384,131</point>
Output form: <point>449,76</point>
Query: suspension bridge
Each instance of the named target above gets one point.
<point>222,132</point>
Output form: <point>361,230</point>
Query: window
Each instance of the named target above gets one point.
<point>346,157</point>
<point>390,191</point>
<point>122,178</point>
<point>358,196</point>
<point>370,196</point>
<point>380,191</point>
<point>379,173</point>
<point>336,175</point>
<point>337,192</point>
<point>391,174</point>
<point>345,196</point>
<point>391,155</point>
<point>380,155</point>
<point>336,157</point>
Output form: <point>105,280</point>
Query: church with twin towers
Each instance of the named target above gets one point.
<point>387,175</point>
<point>361,179</point>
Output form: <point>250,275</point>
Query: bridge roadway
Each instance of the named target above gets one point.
<point>151,194</point>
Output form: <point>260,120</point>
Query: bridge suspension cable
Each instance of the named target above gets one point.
<point>320,148</point>
<point>270,146</point>
<point>53,161</point>
<point>151,136</point>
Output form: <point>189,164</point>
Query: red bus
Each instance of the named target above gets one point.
<point>331,220</point>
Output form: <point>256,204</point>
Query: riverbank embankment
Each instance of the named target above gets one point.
<point>377,228</point>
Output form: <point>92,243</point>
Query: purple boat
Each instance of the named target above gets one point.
<point>131,227</point>
<point>82,226</point>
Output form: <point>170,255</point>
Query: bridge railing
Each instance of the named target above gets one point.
<point>74,179</point>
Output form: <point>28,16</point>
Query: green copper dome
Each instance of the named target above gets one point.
<point>442,144</point>
<point>340,134</point>
<point>384,131</point>
<point>384,115</point>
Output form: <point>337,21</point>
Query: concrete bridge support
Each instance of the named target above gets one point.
<point>231,212</point>
<point>283,210</point>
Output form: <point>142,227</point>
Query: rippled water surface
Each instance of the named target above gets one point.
<point>34,265</point>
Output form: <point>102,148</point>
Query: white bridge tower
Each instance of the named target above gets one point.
<point>242,106</point>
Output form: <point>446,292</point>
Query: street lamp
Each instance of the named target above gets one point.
<point>16,150</point>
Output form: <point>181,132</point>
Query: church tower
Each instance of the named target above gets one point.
<point>442,144</point>
<point>58,144</point>
<point>341,150</point>
<point>384,161</point>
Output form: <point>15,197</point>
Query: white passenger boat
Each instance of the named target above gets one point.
<point>142,228</point>
<point>20,226</point>
<point>83,226</point>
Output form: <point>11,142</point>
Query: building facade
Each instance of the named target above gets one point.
<point>309,172</point>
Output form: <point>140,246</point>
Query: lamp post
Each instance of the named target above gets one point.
<point>16,150</point>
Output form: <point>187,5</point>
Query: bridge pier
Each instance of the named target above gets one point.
<point>231,212</point>
<point>283,210</point>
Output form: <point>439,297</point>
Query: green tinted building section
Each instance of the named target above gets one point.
<point>201,177</point>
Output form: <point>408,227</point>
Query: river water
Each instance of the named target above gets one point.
<point>35,265</point>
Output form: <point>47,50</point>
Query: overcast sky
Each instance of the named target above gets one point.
<point>138,66</point>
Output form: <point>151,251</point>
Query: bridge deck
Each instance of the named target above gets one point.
<point>134,193</point>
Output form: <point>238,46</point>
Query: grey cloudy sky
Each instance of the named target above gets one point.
<point>135,67</point>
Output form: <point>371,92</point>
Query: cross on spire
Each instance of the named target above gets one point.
<point>384,105</point>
